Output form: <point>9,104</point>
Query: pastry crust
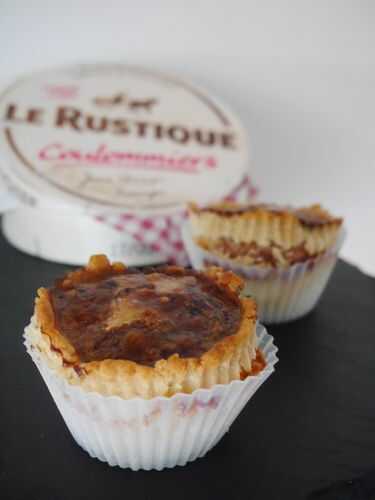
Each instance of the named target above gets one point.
<point>224,362</point>
<point>263,234</point>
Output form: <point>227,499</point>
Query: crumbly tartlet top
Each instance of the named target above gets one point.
<point>264,234</point>
<point>156,332</point>
<point>311,216</point>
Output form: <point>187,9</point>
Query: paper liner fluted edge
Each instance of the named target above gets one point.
<point>159,432</point>
<point>282,294</point>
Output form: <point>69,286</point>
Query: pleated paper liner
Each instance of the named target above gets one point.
<point>281,294</point>
<point>155,433</point>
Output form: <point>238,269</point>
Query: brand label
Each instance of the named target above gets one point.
<point>110,136</point>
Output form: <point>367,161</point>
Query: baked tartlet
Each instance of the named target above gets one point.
<point>285,254</point>
<point>123,351</point>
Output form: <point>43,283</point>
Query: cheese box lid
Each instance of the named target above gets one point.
<point>111,138</point>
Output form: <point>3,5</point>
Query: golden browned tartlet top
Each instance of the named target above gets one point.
<point>264,234</point>
<point>157,332</point>
<point>312,216</point>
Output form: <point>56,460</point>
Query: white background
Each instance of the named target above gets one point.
<point>300,74</point>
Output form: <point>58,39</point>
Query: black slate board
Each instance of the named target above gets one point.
<point>310,425</point>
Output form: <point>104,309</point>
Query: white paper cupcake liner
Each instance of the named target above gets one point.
<point>281,294</point>
<point>156,433</point>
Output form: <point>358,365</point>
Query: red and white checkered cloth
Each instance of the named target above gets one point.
<point>161,233</point>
